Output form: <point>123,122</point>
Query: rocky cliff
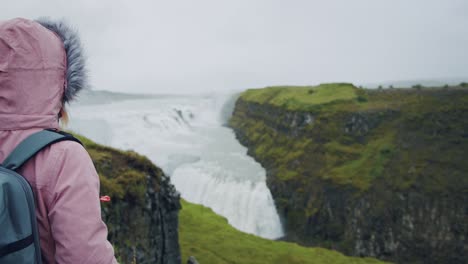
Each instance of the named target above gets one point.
<point>368,172</point>
<point>142,216</point>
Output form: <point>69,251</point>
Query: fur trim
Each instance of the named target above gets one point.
<point>77,75</point>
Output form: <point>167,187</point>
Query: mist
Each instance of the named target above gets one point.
<point>219,46</point>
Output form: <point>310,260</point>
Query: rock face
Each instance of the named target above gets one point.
<point>142,216</point>
<point>383,175</point>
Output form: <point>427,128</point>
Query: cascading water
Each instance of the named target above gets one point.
<point>185,136</point>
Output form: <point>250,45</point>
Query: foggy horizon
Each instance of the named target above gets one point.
<point>211,46</point>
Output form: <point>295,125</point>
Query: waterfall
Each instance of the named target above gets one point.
<point>186,137</point>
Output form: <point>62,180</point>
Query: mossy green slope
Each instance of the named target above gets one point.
<point>122,173</point>
<point>369,172</point>
<point>142,215</point>
<point>211,239</point>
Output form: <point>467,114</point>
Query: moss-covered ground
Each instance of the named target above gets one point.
<point>211,239</point>
<point>122,173</point>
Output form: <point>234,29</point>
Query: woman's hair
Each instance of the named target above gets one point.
<point>63,116</point>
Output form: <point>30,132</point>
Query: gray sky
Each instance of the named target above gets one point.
<point>215,45</point>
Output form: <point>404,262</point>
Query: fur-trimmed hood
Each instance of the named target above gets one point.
<point>77,75</point>
<point>42,66</point>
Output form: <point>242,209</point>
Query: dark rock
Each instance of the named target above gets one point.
<point>192,260</point>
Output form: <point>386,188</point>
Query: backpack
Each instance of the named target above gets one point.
<point>19,237</point>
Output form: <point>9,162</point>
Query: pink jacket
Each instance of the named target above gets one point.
<point>63,177</point>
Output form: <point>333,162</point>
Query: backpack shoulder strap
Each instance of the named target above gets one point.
<point>32,145</point>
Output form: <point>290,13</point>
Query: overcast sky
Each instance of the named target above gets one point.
<point>215,45</point>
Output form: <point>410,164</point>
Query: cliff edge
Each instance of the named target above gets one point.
<point>142,216</point>
<point>378,173</point>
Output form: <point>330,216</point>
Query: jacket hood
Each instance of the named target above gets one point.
<point>77,75</point>
<point>41,68</point>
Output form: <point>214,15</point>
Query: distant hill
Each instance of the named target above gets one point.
<point>93,97</point>
<point>439,82</point>
<point>90,97</point>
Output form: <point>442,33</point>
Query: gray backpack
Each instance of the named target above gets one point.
<point>19,237</point>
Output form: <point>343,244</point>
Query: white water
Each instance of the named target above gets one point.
<point>186,138</point>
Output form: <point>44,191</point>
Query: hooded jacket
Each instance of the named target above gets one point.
<point>41,68</point>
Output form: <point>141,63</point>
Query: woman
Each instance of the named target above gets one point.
<point>41,69</point>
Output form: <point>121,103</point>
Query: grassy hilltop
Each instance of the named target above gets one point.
<point>357,158</point>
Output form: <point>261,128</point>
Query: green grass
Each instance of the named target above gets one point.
<point>122,173</point>
<point>301,97</point>
<point>363,163</point>
<point>211,239</point>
